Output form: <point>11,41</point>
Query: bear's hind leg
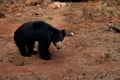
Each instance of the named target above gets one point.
<point>30,47</point>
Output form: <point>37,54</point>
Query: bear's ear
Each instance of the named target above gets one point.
<point>64,32</point>
<point>68,33</point>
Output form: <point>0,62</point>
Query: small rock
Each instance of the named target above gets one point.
<point>56,5</point>
<point>36,13</point>
<point>10,9</point>
<point>20,9</point>
<point>32,2</point>
<point>59,4</point>
<point>53,6</point>
<point>2,15</point>
<point>14,8</point>
<point>16,5</point>
<point>105,55</point>
<point>69,33</point>
<point>7,5</point>
<point>18,15</point>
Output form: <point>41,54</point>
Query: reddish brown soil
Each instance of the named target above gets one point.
<point>92,54</point>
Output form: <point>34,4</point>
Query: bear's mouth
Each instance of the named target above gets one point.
<point>58,45</point>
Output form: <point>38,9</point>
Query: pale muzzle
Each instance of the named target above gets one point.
<point>58,45</point>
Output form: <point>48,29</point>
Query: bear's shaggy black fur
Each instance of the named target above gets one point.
<point>26,35</point>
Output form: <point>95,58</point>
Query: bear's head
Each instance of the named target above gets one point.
<point>58,36</point>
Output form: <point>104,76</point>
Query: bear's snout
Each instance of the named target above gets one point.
<point>58,45</point>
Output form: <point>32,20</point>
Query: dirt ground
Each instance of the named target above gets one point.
<point>93,53</point>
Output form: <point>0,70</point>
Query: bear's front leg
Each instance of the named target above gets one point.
<point>22,49</point>
<point>43,50</point>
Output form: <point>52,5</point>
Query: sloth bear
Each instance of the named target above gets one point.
<point>26,35</point>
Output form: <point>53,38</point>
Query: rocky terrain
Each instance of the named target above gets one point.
<point>93,53</point>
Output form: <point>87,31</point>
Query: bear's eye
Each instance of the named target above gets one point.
<point>60,38</point>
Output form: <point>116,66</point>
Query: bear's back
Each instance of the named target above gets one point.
<point>35,29</point>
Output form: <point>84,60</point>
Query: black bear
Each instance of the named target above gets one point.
<point>26,35</point>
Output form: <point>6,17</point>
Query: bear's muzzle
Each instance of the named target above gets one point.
<point>58,45</point>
